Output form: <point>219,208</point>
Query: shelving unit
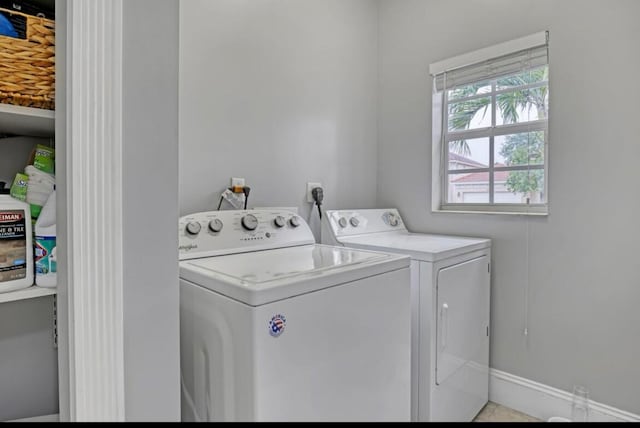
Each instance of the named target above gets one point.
<point>26,293</point>
<point>28,332</point>
<point>27,121</point>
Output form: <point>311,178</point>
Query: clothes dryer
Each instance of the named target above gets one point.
<point>450,280</point>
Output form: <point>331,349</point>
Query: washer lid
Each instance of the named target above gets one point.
<point>261,277</point>
<point>420,246</point>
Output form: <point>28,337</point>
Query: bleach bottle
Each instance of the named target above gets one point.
<point>16,248</point>
<point>45,246</point>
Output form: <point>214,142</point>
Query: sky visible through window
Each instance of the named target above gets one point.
<point>480,148</point>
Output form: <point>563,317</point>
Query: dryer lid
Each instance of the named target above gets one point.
<point>265,276</point>
<point>420,246</point>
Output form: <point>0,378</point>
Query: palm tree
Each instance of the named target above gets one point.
<point>509,103</point>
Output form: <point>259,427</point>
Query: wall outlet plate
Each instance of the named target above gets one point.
<point>237,181</point>
<point>310,187</point>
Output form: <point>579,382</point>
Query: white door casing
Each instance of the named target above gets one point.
<point>93,303</point>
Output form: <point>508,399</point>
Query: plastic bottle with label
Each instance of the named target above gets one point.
<point>45,245</point>
<point>16,243</point>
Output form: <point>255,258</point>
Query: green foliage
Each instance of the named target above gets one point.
<point>525,99</point>
<point>525,181</point>
<point>462,113</point>
<point>524,149</point>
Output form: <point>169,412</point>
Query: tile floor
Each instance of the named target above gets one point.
<point>493,412</point>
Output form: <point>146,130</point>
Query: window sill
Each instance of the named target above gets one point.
<point>511,213</point>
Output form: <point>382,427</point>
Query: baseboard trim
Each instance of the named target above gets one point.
<point>543,401</point>
<point>45,418</point>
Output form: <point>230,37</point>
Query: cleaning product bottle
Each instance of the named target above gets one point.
<point>16,243</point>
<point>45,246</point>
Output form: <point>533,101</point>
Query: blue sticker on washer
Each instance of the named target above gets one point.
<point>276,325</point>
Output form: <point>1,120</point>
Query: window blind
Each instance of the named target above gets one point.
<point>456,73</point>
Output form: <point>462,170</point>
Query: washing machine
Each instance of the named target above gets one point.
<point>450,278</point>
<point>275,327</point>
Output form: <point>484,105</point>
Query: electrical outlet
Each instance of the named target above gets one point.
<point>236,181</point>
<point>310,187</point>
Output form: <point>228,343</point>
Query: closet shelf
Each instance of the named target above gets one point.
<point>28,121</point>
<point>26,293</point>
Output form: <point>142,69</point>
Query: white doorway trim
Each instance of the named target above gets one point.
<point>90,300</point>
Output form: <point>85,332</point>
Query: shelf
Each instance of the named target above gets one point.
<point>34,122</point>
<point>26,293</point>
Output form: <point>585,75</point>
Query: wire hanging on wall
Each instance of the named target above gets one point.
<point>526,280</point>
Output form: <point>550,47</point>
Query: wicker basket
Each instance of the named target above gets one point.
<point>27,67</point>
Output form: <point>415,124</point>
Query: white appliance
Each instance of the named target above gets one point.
<point>450,308</point>
<point>274,327</point>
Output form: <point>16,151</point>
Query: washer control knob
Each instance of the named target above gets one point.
<point>342,222</point>
<point>354,221</point>
<point>279,221</point>
<point>193,228</point>
<point>294,221</point>
<point>250,222</point>
<point>393,220</point>
<point>215,225</point>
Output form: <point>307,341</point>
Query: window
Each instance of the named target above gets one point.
<point>490,129</point>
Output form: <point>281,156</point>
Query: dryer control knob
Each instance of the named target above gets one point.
<point>215,225</point>
<point>279,221</point>
<point>342,222</point>
<point>354,222</point>
<point>393,220</point>
<point>193,228</point>
<point>294,221</point>
<point>250,222</point>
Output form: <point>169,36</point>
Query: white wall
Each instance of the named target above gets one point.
<point>280,92</point>
<point>150,209</point>
<point>580,261</point>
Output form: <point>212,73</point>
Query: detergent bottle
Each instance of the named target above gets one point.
<point>16,245</point>
<point>45,246</point>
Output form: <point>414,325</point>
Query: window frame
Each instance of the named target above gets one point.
<point>440,149</point>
